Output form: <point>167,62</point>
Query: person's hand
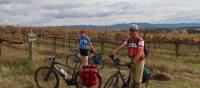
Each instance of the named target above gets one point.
<point>111,56</point>
<point>93,50</point>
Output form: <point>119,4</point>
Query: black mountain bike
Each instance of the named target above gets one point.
<point>48,76</point>
<point>118,80</point>
<point>94,58</point>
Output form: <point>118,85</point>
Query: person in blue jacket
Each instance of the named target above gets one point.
<point>85,45</point>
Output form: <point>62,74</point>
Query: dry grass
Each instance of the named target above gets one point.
<point>166,69</point>
<point>161,76</point>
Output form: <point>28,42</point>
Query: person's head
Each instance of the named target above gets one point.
<point>83,32</point>
<point>134,30</point>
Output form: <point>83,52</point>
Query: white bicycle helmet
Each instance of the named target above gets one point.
<point>133,27</point>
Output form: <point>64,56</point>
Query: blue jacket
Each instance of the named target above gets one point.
<point>84,42</point>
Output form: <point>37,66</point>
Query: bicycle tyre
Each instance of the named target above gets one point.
<point>73,62</point>
<point>51,76</point>
<point>78,82</point>
<point>112,82</point>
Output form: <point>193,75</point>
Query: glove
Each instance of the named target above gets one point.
<point>111,56</point>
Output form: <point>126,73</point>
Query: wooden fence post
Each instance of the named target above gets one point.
<point>31,38</point>
<point>69,45</point>
<point>42,34</point>
<point>23,37</point>
<point>75,41</point>
<point>177,47</point>
<point>102,46</point>
<point>54,43</point>
<point>199,45</point>
<point>103,40</point>
<point>38,39</point>
<point>65,46</point>
<point>1,47</point>
<point>148,46</point>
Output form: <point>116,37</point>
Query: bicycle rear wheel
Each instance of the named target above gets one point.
<point>113,82</point>
<point>46,78</point>
<point>73,62</point>
<point>79,83</point>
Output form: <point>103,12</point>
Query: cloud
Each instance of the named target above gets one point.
<point>99,12</point>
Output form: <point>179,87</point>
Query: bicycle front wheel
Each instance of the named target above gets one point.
<point>113,82</point>
<point>46,78</point>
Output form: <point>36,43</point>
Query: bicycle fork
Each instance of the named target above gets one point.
<point>127,83</point>
<point>123,79</point>
<point>48,74</point>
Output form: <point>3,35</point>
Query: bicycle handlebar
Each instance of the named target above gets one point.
<point>117,62</point>
<point>51,58</point>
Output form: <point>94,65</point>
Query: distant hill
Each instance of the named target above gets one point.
<point>141,25</point>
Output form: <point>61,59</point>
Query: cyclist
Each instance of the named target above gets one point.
<point>135,45</point>
<point>85,44</point>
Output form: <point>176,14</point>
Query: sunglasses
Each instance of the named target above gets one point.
<point>133,30</point>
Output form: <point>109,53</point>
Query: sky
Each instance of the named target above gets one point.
<point>97,12</point>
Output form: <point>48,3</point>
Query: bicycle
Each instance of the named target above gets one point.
<point>115,79</point>
<point>48,76</point>
<point>71,60</point>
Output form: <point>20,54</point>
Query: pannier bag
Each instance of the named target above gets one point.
<point>88,75</point>
<point>97,59</point>
<point>146,75</point>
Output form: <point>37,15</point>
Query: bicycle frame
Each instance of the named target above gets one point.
<point>127,82</point>
<point>91,58</point>
<point>53,69</point>
<point>69,81</point>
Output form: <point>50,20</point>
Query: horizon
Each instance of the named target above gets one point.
<point>97,12</point>
<point>141,23</point>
